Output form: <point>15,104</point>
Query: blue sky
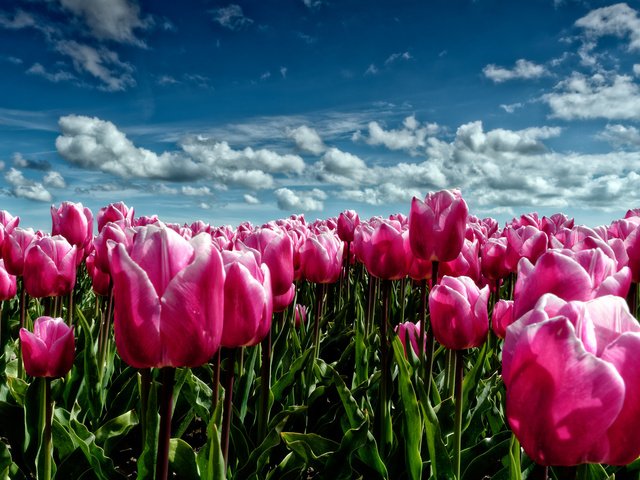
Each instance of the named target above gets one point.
<point>254,110</point>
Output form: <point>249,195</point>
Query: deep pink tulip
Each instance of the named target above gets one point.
<point>321,258</point>
<point>493,259</point>
<point>410,331</point>
<point>117,213</point>
<point>466,264</point>
<point>14,248</point>
<point>145,220</point>
<point>347,223</point>
<point>74,222</point>
<point>569,275</point>
<point>110,232</point>
<point>382,247</point>
<point>437,226</point>
<point>281,302</point>
<point>276,250</point>
<point>459,316</point>
<point>50,267</point>
<point>573,383</point>
<point>502,317</point>
<point>48,351</point>
<point>99,280</point>
<point>8,284</point>
<point>524,242</point>
<point>300,315</point>
<point>248,301</point>
<point>169,298</point>
<point>8,223</point>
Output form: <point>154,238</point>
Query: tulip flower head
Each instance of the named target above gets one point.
<point>410,331</point>
<point>572,381</point>
<point>169,298</point>
<point>48,351</point>
<point>347,223</point>
<point>74,222</point>
<point>459,314</point>
<point>50,267</point>
<point>321,258</point>
<point>115,212</point>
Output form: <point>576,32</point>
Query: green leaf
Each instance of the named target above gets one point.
<point>411,413</point>
<point>86,441</point>
<point>182,459</point>
<point>593,472</point>
<point>18,389</point>
<point>281,386</point>
<point>309,446</point>
<point>109,432</point>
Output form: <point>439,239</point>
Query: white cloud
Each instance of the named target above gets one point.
<point>102,64</point>
<point>342,168</point>
<point>24,188</point>
<point>250,199</point>
<point>512,107</point>
<point>231,17</point>
<point>20,161</point>
<point>20,20</point>
<point>311,200</point>
<point>114,20</point>
<point>196,191</point>
<point>167,80</point>
<point>307,139</point>
<point>411,137</point>
<point>523,69</point>
<point>371,70</point>
<point>582,97</point>
<point>397,56</point>
<point>265,75</point>
<point>54,180</point>
<point>636,69</point>
<point>621,136</point>
<point>59,76</point>
<point>283,72</point>
<point>312,4</point>
<point>617,20</point>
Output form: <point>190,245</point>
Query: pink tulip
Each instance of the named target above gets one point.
<point>110,232</point>
<point>50,267</point>
<point>410,331</point>
<point>502,317</point>
<point>300,315</point>
<point>569,275</point>
<point>467,263</point>
<point>281,302</point>
<point>48,351</point>
<point>524,242</point>
<point>459,316</point>
<point>8,223</point>
<point>382,247</point>
<point>8,284</point>
<point>573,383</point>
<point>321,258</point>
<point>169,298</point>
<point>74,222</point>
<point>493,259</point>
<point>99,280</point>
<point>347,223</point>
<point>117,213</point>
<point>248,301</point>
<point>437,226</point>
<point>276,250</point>
<point>14,248</point>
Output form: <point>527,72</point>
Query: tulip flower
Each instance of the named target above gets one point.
<point>110,232</point>
<point>117,213</point>
<point>569,275</point>
<point>50,267</point>
<point>48,351</point>
<point>467,263</point>
<point>572,381</point>
<point>300,315</point>
<point>14,248</point>
<point>276,250</point>
<point>8,223</point>
<point>410,331</point>
<point>382,247</point>
<point>493,259</point>
<point>248,301</point>
<point>459,314</point>
<point>524,242</point>
<point>437,226</point>
<point>99,280</point>
<point>8,284</point>
<point>347,223</point>
<point>180,283</point>
<point>321,258</point>
<point>74,222</point>
<point>281,302</point>
<point>502,317</point>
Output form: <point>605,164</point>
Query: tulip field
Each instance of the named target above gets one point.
<point>430,344</point>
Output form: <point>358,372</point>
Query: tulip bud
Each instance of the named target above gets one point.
<point>48,351</point>
<point>74,222</point>
<point>50,267</point>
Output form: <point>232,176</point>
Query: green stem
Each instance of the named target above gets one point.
<point>319,307</point>
<point>423,327</point>
<point>216,377</point>
<point>46,411</point>
<point>459,357</point>
<point>23,315</point>
<point>228,405</point>
<point>70,309</point>
<point>166,407</point>
<point>145,386</point>
<point>385,432</point>
<point>265,386</point>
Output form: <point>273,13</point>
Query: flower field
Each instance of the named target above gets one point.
<point>430,344</point>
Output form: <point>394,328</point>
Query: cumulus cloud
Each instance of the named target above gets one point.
<point>311,200</point>
<point>20,161</point>
<point>621,136</point>
<point>342,168</point>
<point>636,69</point>
<point>410,138</point>
<point>231,17</point>
<point>511,107</point>
<point>250,199</point>
<point>103,64</point>
<point>115,20</point>
<point>97,144</point>
<point>523,69</point>
<point>307,139</point>
<point>24,188</point>
<point>617,20</point>
<point>54,180</point>
<point>616,97</point>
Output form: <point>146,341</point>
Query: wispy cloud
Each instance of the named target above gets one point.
<point>523,69</point>
<point>231,17</point>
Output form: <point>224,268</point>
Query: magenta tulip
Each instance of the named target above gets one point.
<point>466,264</point>
<point>276,250</point>
<point>248,301</point>
<point>300,315</point>
<point>50,267</point>
<point>347,223</point>
<point>110,232</point>
<point>569,275</point>
<point>99,280</point>
<point>459,316</point>
<point>524,242</point>
<point>74,222</point>
<point>410,331</point>
<point>321,258</point>
<point>8,284</point>
<point>281,302</point>
<point>48,351</point>
<point>437,226</point>
<point>382,247</point>
<point>573,383</point>
<point>8,223</point>
<point>169,298</point>
<point>502,317</point>
<point>117,213</point>
<point>14,248</point>
<point>493,259</point>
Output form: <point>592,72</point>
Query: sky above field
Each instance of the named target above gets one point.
<point>256,110</point>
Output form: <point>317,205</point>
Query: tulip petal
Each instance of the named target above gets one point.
<point>137,312</point>
<point>34,354</point>
<point>574,395</point>
<point>244,299</point>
